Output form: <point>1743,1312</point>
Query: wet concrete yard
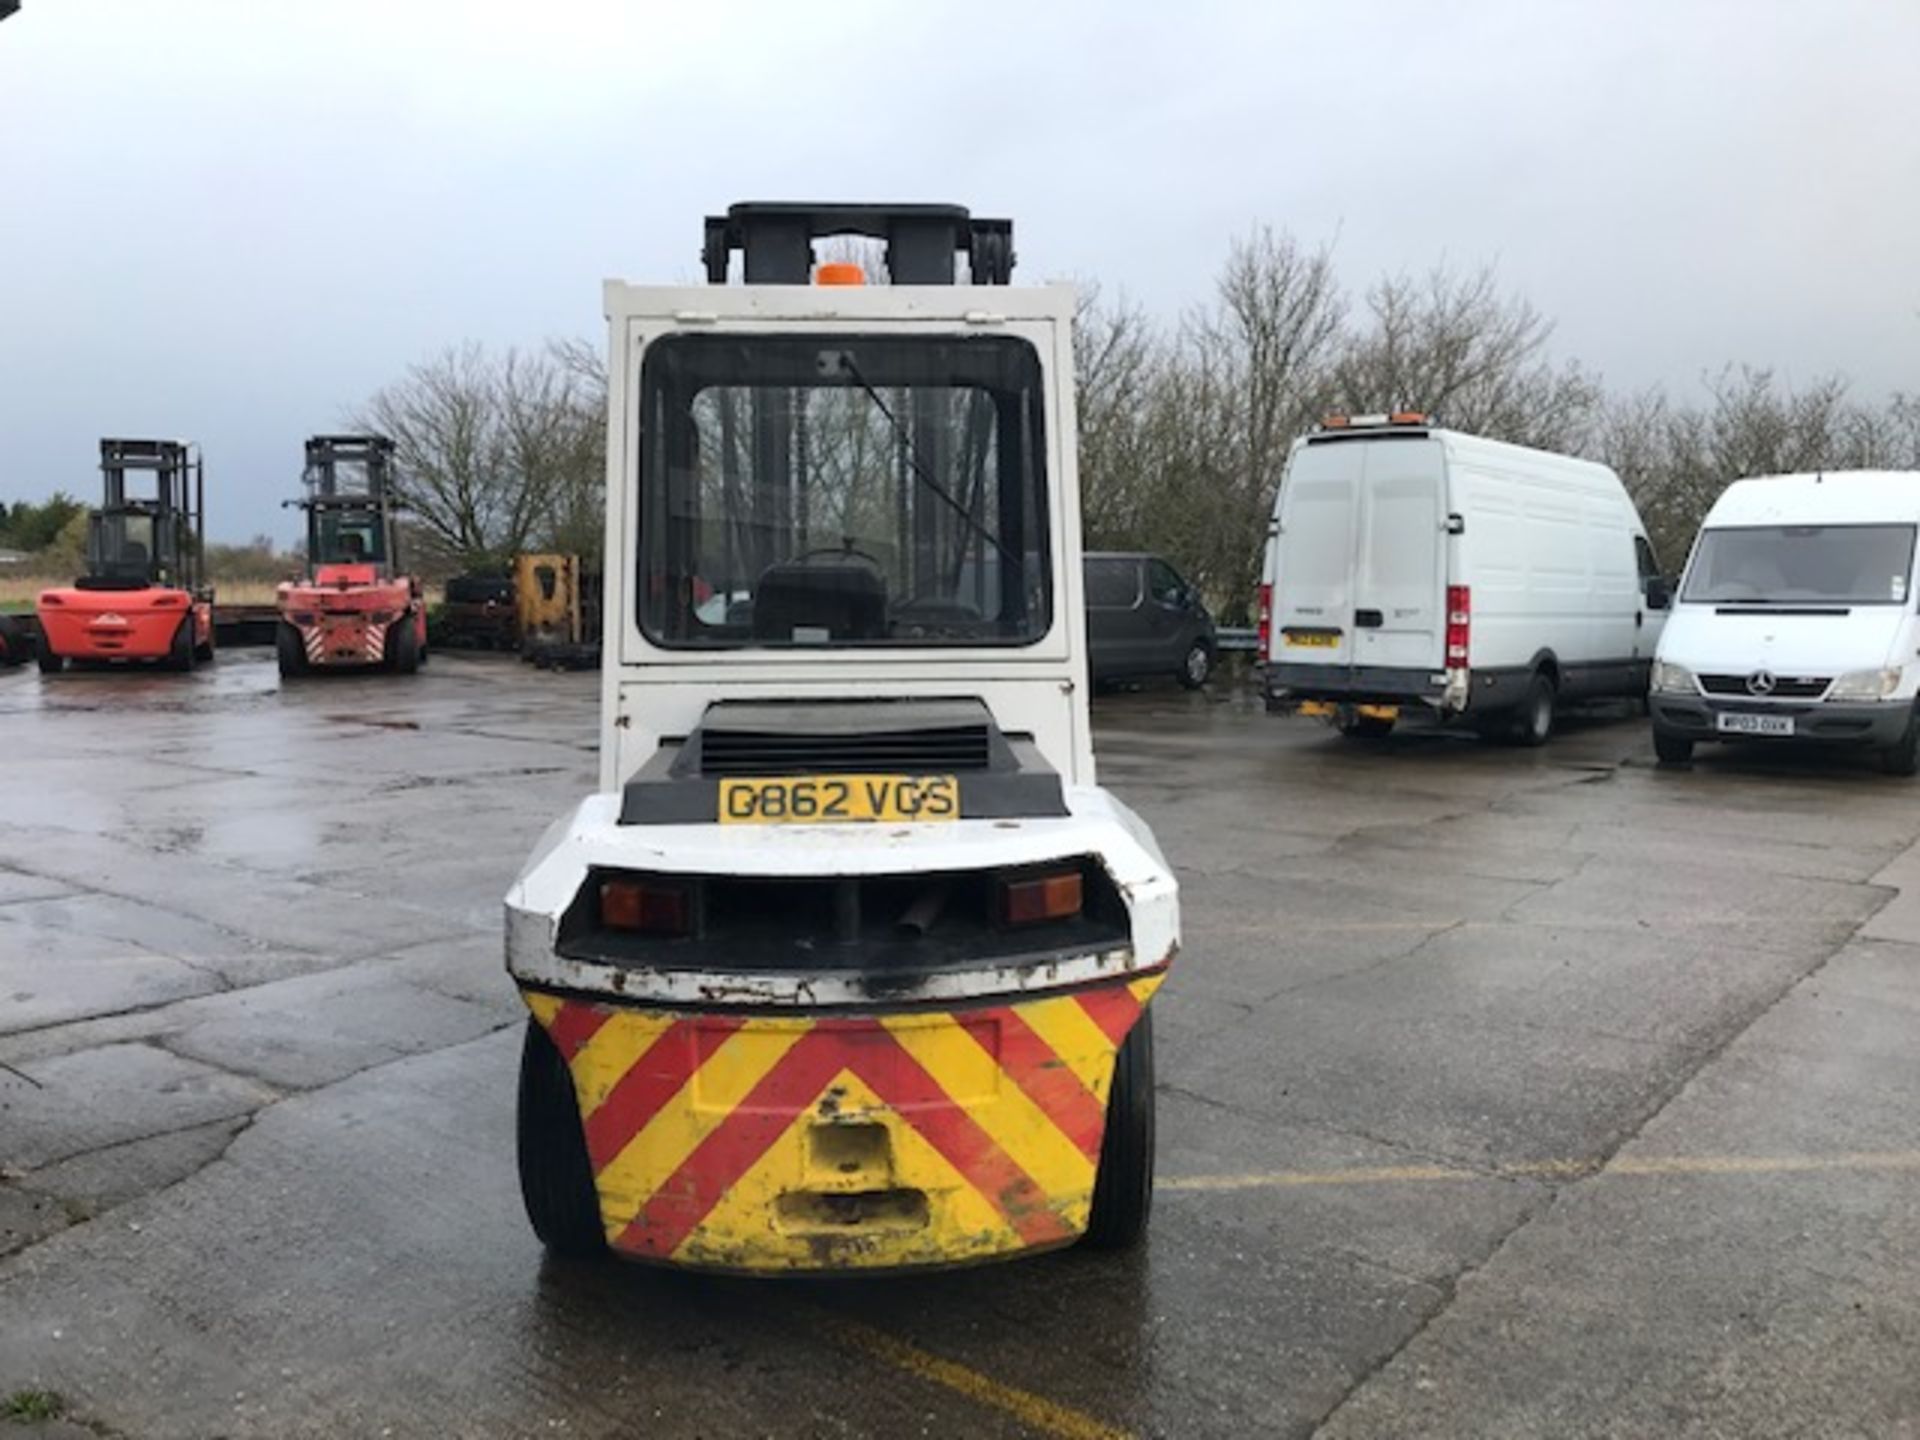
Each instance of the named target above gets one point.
<point>1502,1093</point>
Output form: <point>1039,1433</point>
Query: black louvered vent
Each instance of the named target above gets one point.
<point>939,749</point>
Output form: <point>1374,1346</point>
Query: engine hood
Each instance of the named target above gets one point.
<point>1725,640</point>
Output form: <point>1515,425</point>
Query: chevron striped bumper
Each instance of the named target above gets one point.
<point>832,1143</point>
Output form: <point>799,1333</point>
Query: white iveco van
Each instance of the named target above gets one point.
<point>1796,619</point>
<point>1416,572</point>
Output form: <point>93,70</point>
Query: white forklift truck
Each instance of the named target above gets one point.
<point>846,965</point>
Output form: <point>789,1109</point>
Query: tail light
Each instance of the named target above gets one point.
<point>1266,619</point>
<point>1459,625</point>
<point>645,907</point>
<point>1034,898</point>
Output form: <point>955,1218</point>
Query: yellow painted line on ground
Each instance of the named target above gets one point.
<point>1860,1160</point>
<point>1036,1412</point>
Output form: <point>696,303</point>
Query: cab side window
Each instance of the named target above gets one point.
<point>1164,584</point>
<point>1113,584</point>
<point>1653,585</point>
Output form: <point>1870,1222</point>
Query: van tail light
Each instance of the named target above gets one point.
<point>645,907</point>
<point>1459,625</point>
<point>1034,898</point>
<point>1266,619</point>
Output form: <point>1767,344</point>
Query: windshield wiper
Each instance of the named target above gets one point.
<point>912,453</point>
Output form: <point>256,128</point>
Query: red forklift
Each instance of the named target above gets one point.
<point>144,596</point>
<point>355,609</point>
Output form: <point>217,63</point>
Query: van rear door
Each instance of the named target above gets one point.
<point>1312,574</point>
<point>1400,567</point>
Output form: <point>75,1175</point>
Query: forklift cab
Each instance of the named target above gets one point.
<point>847,963</point>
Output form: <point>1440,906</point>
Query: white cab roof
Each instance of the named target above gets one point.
<point>1836,497</point>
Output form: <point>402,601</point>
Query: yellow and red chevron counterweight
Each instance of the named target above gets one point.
<point>824,1142</point>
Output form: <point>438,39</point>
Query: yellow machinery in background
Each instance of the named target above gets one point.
<point>558,602</point>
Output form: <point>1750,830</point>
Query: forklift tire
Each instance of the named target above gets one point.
<point>180,654</point>
<point>50,663</point>
<point>556,1178</point>
<point>1123,1186</point>
<point>403,646</point>
<point>290,650</point>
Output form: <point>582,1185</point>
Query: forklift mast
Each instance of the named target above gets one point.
<point>175,512</point>
<point>922,242</point>
<point>775,240</point>
<point>347,474</point>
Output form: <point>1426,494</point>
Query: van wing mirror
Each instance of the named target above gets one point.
<point>1659,593</point>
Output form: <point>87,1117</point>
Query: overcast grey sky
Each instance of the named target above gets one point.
<point>231,221</point>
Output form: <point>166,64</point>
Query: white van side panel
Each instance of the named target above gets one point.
<point>1547,554</point>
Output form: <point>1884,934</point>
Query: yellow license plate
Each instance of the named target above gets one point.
<point>1313,638</point>
<point>837,799</point>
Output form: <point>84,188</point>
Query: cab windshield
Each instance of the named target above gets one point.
<point>122,545</point>
<point>842,491</point>
<point>1802,564</point>
<point>347,536</point>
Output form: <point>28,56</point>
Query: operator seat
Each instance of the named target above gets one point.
<point>843,596</point>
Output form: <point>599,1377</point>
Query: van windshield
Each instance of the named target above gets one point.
<point>1802,564</point>
<point>840,491</point>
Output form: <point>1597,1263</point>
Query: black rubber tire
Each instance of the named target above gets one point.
<point>290,650</point>
<point>180,654</point>
<point>556,1177</point>
<point>1196,666</point>
<point>1671,749</point>
<point>1123,1186</point>
<point>1902,758</point>
<point>1366,727</point>
<point>50,663</point>
<point>403,646</point>
<point>1532,720</point>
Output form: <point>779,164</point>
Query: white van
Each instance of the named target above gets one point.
<point>1796,619</point>
<point>1415,571</point>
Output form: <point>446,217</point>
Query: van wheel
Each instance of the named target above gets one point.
<point>1532,723</point>
<point>1903,756</point>
<point>1123,1185</point>
<point>1671,749</point>
<point>556,1177</point>
<point>1197,666</point>
<point>1365,727</point>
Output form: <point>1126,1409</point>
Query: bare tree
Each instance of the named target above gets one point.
<point>497,454</point>
<point>1118,362</point>
<point>1249,374</point>
<point>1453,345</point>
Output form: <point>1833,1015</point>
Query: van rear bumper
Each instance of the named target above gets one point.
<point>1817,722</point>
<point>1287,685</point>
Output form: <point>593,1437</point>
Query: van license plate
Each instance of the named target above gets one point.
<point>839,799</point>
<point>1326,639</point>
<point>1754,724</point>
